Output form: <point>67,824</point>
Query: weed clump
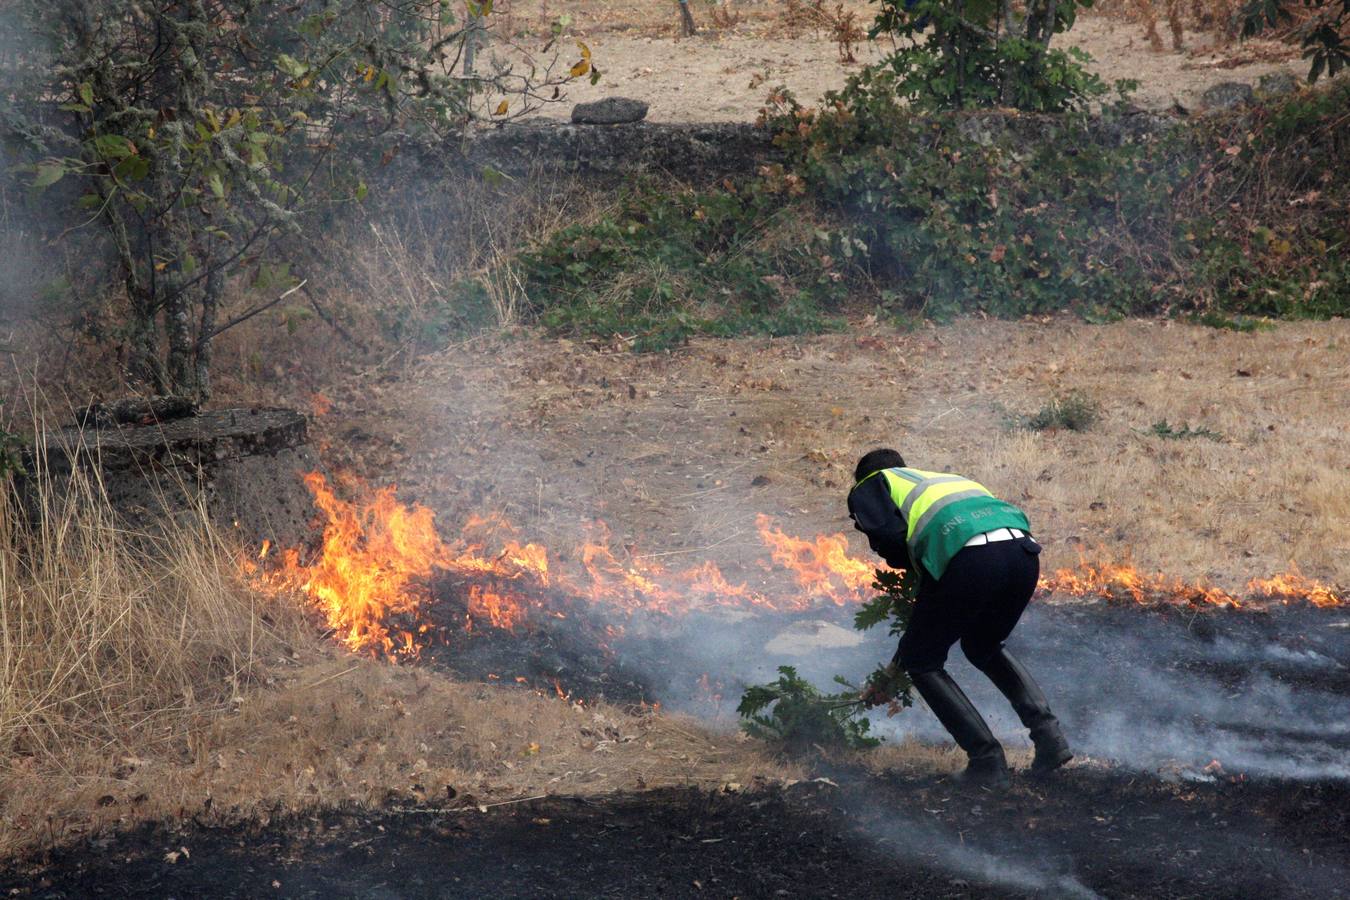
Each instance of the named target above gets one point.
<point>794,715</point>
<point>1161,429</point>
<point>1074,411</point>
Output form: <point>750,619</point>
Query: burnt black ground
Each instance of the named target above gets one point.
<point>1086,832</point>
<point>1266,693</point>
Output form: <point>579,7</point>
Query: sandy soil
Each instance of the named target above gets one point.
<point>725,75</point>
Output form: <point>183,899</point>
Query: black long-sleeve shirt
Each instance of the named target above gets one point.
<point>875,514</point>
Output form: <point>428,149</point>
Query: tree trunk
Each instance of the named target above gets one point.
<point>1006,24</point>
<point>687,25</point>
<point>215,283</point>
<point>471,38</point>
<point>144,366</point>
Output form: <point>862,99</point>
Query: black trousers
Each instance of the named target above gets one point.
<point>978,601</point>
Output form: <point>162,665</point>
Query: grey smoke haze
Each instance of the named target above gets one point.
<point>1265,694</point>
<point>923,841</point>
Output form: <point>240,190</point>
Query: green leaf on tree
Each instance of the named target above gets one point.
<point>48,174</point>
<point>114,146</point>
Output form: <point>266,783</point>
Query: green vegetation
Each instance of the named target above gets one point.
<point>196,136</point>
<point>1244,324</point>
<point>800,718</point>
<point>1074,411</point>
<point>661,267</point>
<point>795,716</point>
<point>983,53</point>
<point>1323,30</point>
<point>1228,220</point>
<point>1167,432</point>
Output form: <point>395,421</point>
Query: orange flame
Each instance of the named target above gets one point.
<point>1121,581</point>
<point>822,566</point>
<point>320,405</point>
<point>371,576</point>
<point>365,574</point>
<point>1293,586</point>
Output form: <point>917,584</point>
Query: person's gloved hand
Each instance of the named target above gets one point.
<point>879,691</point>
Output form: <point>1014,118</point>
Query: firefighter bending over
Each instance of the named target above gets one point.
<point>978,566</point>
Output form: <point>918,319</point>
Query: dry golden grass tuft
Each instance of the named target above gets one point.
<point>115,640</point>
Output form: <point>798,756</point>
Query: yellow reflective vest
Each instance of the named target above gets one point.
<point>940,512</point>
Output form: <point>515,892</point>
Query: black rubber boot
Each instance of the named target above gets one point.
<point>1016,683</point>
<point>960,717</point>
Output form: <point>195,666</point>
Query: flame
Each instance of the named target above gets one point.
<point>822,566</point>
<point>1122,581</point>
<point>1293,586</point>
<point>373,574</point>
<point>320,405</point>
<point>365,574</point>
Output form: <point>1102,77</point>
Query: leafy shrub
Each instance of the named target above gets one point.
<point>1223,219</point>
<point>957,56</point>
<point>958,215</point>
<point>792,713</point>
<point>1167,432</point>
<point>1243,324</point>
<point>970,212</point>
<point>736,259</point>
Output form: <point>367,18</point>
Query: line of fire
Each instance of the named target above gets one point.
<point>386,582</point>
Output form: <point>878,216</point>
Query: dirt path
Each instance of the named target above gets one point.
<point>1085,834</point>
<point>725,77</point>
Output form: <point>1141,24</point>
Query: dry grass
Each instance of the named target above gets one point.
<point>141,679</point>
<point>699,428</point>
<point>361,732</point>
<point>115,641</point>
<point>397,277</point>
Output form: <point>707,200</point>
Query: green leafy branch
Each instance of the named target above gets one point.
<point>798,717</point>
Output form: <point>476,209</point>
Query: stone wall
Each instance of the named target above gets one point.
<point>242,467</point>
<point>706,152</point>
<point>690,152</point>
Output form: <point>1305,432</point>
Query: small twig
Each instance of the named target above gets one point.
<point>729,537</point>
<point>332,321</point>
<point>460,809</point>
<point>843,703</point>
<point>250,314</point>
<point>328,678</point>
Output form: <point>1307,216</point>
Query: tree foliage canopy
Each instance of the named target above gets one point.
<point>195,132</point>
<point>971,53</point>
<point>1323,31</point>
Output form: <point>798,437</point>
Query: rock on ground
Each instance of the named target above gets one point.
<point>1227,95</point>
<point>609,111</point>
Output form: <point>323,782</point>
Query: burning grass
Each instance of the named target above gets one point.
<point>141,678</point>
<point>383,571</point>
<point>371,577</point>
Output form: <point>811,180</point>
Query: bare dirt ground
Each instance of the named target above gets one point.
<point>680,452</point>
<point>723,74</point>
